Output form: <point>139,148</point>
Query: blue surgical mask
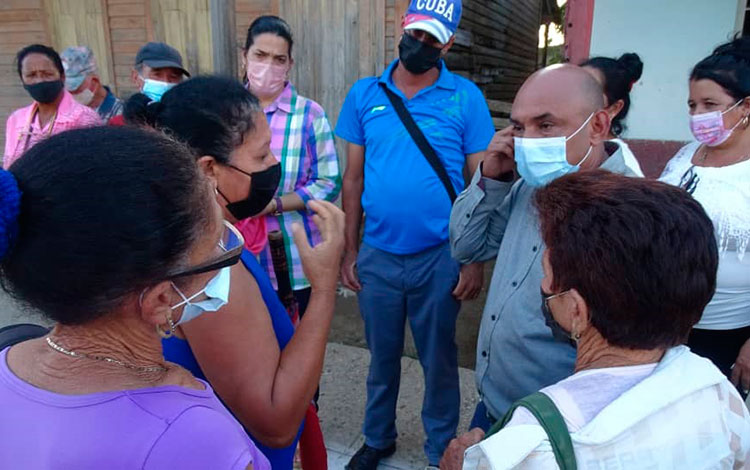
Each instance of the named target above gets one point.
<point>217,295</point>
<point>155,89</point>
<point>542,160</point>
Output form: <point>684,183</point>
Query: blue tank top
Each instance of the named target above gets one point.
<point>178,351</point>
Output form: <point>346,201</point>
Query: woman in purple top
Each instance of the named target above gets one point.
<point>115,235</point>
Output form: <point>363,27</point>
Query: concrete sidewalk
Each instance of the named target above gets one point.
<point>342,407</point>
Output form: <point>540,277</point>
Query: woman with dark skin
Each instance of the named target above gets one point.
<point>53,111</point>
<point>106,231</point>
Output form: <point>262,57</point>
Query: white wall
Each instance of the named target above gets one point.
<point>670,36</point>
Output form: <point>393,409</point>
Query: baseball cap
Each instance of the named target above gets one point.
<point>158,55</point>
<point>437,17</point>
<point>78,63</point>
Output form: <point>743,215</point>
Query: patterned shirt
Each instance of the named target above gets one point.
<point>302,140</point>
<point>110,107</point>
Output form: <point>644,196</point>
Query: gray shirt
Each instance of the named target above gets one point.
<point>516,353</point>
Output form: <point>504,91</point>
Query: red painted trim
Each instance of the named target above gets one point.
<point>579,20</point>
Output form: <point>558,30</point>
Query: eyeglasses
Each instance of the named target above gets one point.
<point>230,244</point>
<point>548,297</point>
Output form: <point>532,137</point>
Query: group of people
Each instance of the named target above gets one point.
<point>183,338</point>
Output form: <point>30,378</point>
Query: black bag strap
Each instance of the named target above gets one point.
<point>18,333</point>
<point>418,136</point>
<point>549,417</point>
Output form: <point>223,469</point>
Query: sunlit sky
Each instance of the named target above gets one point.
<point>555,37</point>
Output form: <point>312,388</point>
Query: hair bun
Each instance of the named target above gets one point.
<point>10,205</point>
<point>140,109</point>
<point>738,48</point>
<point>632,63</point>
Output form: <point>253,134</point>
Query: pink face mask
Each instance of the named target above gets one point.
<point>266,79</point>
<point>708,128</point>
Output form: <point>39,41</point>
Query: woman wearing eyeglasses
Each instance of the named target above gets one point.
<point>716,171</point>
<point>261,368</point>
<point>114,234</point>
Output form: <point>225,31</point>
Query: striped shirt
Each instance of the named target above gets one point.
<point>302,140</point>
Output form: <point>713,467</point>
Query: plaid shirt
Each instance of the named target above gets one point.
<point>302,140</point>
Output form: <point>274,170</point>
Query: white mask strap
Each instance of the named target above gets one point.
<point>733,106</point>
<point>580,128</point>
<point>586,157</point>
<point>185,300</point>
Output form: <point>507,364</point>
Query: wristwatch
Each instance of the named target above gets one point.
<point>279,207</point>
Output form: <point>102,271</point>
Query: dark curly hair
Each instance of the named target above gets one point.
<point>104,213</point>
<point>211,114</point>
<point>619,77</point>
<point>39,49</point>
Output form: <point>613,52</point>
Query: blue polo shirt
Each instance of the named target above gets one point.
<point>407,207</point>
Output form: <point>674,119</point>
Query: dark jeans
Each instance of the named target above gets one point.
<point>720,346</point>
<point>416,288</point>
<point>482,418</point>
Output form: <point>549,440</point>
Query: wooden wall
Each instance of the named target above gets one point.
<point>496,46</point>
<point>22,22</point>
<point>339,41</point>
<point>336,41</point>
<point>114,29</point>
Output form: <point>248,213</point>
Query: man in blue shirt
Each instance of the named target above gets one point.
<point>404,269</point>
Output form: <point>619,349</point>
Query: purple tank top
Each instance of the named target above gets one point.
<point>149,428</point>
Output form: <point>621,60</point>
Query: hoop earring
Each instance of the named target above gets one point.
<point>745,121</point>
<point>168,333</point>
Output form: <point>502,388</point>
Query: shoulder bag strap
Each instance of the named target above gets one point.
<point>549,417</point>
<point>419,138</point>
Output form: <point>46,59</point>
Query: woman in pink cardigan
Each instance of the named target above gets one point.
<point>53,111</point>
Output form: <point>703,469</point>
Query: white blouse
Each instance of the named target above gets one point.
<point>724,193</point>
<point>630,160</point>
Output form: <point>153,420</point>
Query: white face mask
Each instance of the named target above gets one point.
<point>217,295</point>
<point>542,160</point>
<point>85,97</point>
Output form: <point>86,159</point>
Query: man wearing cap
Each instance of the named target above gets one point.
<point>158,67</point>
<point>403,268</point>
<point>83,82</point>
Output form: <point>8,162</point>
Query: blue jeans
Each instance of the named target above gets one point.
<point>416,287</point>
<point>482,418</point>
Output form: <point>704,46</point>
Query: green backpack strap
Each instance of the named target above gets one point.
<point>549,417</point>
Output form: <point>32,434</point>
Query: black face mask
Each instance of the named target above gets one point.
<point>417,57</point>
<point>558,332</point>
<point>45,92</point>
<point>263,186</point>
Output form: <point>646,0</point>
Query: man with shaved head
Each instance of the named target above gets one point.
<point>558,126</point>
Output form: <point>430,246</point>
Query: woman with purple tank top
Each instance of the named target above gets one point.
<point>115,235</point>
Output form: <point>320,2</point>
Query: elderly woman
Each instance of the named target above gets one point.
<point>53,111</point>
<point>115,235</point>
<point>629,266</point>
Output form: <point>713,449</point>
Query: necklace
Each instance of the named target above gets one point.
<point>109,360</point>
<point>702,158</point>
